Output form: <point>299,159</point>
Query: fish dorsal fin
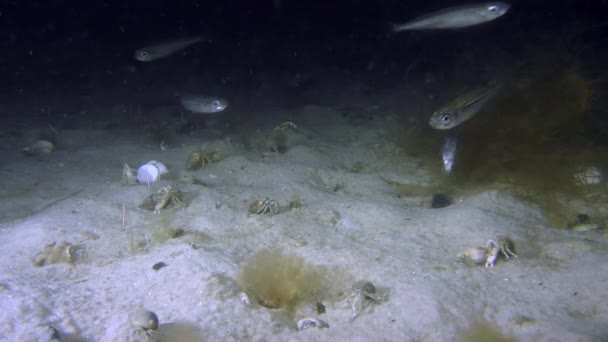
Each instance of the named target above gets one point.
<point>481,96</point>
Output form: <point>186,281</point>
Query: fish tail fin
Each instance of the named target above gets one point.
<point>397,27</point>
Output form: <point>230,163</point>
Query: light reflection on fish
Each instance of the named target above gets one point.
<point>448,152</point>
<point>162,50</point>
<point>456,17</point>
<point>203,104</point>
<point>462,108</point>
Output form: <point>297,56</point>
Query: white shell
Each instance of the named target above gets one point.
<point>311,322</point>
<point>244,298</point>
<point>474,255</point>
<point>40,147</point>
<point>160,166</point>
<point>589,176</point>
<point>147,174</point>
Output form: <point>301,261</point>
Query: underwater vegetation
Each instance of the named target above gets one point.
<point>279,280</point>
<point>482,331</point>
<point>533,138</point>
<point>161,229</point>
<point>324,181</point>
<point>164,229</point>
<point>539,138</point>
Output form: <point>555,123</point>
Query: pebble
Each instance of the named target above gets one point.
<point>440,201</point>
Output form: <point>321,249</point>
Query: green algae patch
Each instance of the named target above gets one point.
<point>533,138</point>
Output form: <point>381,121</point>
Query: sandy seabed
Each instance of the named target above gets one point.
<point>350,223</point>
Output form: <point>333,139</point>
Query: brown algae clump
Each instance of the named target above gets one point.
<point>278,280</point>
<point>534,141</point>
<point>534,138</point>
<point>481,331</point>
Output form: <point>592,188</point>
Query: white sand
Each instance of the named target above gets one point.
<point>361,231</point>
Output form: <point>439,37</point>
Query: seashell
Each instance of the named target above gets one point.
<point>147,174</point>
<point>244,298</point>
<point>256,206</point>
<point>311,322</point>
<point>128,177</point>
<point>195,160</point>
<point>39,148</point>
<point>149,203</point>
<point>143,319</point>
<point>589,176</point>
<point>162,169</point>
<point>364,286</point>
<point>474,255</point>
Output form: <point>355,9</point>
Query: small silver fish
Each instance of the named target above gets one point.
<point>203,104</point>
<point>162,50</point>
<point>456,17</point>
<point>448,152</point>
<point>462,108</point>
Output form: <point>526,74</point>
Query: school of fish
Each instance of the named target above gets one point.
<point>453,114</point>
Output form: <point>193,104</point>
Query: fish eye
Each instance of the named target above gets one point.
<point>216,103</point>
<point>143,53</point>
<point>493,8</point>
<point>446,117</point>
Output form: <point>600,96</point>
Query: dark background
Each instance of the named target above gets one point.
<point>31,28</point>
<point>107,21</point>
<point>52,43</point>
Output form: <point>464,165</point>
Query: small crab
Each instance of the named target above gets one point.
<point>144,322</point>
<point>267,205</point>
<point>363,292</point>
<point>162,198</point>
<point>57,252</point>
<point>499,245</point>
<point>202,157</point>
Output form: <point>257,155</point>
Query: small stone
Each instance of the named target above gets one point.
<point>176,233</point>
<point>158,266</point>
<point>440,201</point>
<point>582,218</point>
